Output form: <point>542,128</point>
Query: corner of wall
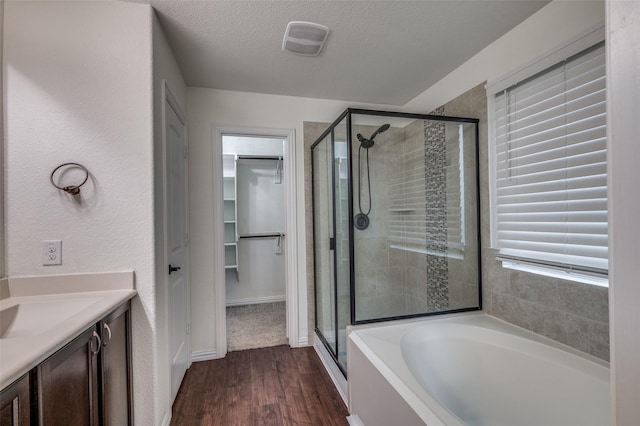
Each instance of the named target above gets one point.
<point>2,177</point>
<point>166,75</point>
<point>623,86</point>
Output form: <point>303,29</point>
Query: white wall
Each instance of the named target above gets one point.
<point>2,178</point>
<point>78,88</point>
<point>623,53</point>
<point>165,71</point>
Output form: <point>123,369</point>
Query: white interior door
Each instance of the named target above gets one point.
<point>177,250</point>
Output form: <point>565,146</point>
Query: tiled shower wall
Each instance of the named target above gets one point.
<point>380,287</point>
<point>435,161</point>
<point>412,265</point>
<point>572,313</point>
<point>391,279</point>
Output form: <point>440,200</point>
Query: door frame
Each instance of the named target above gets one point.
<point>169,100</point>
<point>291,214</point>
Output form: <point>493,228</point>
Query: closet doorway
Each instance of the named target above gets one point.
<point>256,230</point>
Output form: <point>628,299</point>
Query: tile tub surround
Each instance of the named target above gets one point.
<point>569,312</point>
<point>89,296</point>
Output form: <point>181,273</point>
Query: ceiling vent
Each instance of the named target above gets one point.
<point>304,38</point>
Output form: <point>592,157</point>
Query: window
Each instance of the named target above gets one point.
<point>550,164</point>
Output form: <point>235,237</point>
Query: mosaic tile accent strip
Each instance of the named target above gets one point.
<point>436,208</point>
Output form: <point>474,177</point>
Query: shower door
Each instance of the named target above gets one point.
<point>331,212</point>
<point>323,243</point>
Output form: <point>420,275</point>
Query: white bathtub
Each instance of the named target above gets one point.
<point>472,370</point>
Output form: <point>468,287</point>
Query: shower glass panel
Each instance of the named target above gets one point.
<point>325,296</point>
<point>396,220</point>
<point>415,183</point>
<point>342,238</point>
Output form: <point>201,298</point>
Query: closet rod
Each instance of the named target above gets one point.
<point>259,157</point>
<point>261,236</point>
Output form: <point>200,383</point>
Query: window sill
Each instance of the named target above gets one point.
<point>556,273</point>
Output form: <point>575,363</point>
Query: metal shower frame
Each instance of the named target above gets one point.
<point>352,302</point>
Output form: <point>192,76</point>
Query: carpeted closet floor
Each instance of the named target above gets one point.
<point>256,326</point>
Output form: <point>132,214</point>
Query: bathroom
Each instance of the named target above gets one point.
<point>128,190</point>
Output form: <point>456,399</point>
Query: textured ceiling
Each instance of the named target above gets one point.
<point>383,52</point>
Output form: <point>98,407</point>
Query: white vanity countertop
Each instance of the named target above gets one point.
<point>39,315</point>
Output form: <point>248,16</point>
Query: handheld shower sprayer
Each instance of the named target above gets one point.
<point>361,220</point>
<point>368,143</point>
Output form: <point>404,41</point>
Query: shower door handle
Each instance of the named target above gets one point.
<point>332,243</point>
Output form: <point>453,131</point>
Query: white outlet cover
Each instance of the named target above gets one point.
<point>52,252</point>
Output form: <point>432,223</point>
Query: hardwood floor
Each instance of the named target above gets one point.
<point>268,386</point>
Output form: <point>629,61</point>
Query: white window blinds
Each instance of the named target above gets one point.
<point>551,166</point>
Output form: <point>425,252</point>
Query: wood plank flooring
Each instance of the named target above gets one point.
<point>268,386</point>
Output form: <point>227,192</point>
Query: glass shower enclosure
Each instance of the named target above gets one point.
<point>395,220</point>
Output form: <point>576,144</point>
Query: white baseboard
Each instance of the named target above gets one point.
<point>354,420</point>
<point>256,300</point>
<point>338,379</point>
<point>204,356</point>
<point>166,420</point>
<point>303,341</point>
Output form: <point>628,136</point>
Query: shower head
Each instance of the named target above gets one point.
<point>368,143</point>
<point>381,129</point>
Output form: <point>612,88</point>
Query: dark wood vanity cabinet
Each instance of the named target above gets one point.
<point>68,383</point>
<point>115,368</point>
<point>86,383</point>
<point>15,403</point>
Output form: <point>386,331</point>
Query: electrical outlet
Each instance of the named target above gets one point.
<point>52,252</point>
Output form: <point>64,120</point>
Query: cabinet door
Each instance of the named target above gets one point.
<point>15,403</point>
<point>115,368</point>
<point>67,383</point>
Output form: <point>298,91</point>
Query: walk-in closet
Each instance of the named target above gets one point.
<point>254,241</point>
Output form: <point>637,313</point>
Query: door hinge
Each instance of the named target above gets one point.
<point>188,328</point>
<point>186,152</point>
<point>186,240</point>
